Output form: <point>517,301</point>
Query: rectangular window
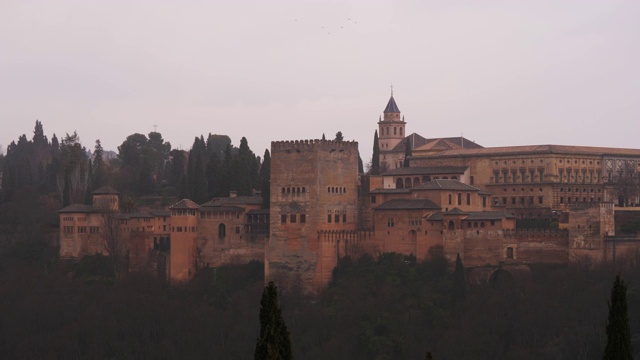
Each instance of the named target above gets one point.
<point>504,201</point>
<point>283,219</point>
<point>449,199</point>
<point>329,218</point>
<point>303,218</point>
<point>539,199</point>
<point>344,218</point>
<point>292,218</point>
<point>390,222</point>
<point>561,200</point>
<point>509,253</point>
<point>373,199</point>
<point>513,200</point>
<point>237,229</point>
<point>459,199</point>
<point>468,199</point>
<point>337,218</point>
<point>484,201</point>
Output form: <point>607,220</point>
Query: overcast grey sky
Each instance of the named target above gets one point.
<point>501,72</point>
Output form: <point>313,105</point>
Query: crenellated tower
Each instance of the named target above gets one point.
<point>314,188</point>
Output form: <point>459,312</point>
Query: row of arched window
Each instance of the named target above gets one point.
<point>395,130</point>
<point>294,190</point>
<point>336,190</point>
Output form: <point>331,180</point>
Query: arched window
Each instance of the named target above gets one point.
<point>400,131</point>
<point>304,190</point>
<point>451,226</point>
<point>399,183</point>
<point>407,183</point>
<point>222,231</point>
<point>395,130</point>
<point>416,181</point>
<point>283,190</point>
<point>298,190</point>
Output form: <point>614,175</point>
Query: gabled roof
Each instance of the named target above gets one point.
<point>408,204</point>
<point>456,211</point>
<point>185,204</point>
<point>105,190</point>
<point>447,144</point>
<point>237,200</point>
<point>391,106</point>
<point>77,208</point>
<point>436,170</point>
<point>441,184</point>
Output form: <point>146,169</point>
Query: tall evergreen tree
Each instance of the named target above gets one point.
<point>323,137</point>
<point>200,191</point>
<point>99,168</point>
<point>375,158</point>
<point>459,281</point>
<point>274,342</point>
<point>618,331</point>
<point>339,136</point>
<point>265,179</point>
<point>407,153</point>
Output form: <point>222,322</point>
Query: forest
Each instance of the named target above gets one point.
<point>384,307</point>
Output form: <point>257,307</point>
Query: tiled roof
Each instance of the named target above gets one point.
<point>77,208</point>
<point>185,204</point>
<point>238,200</point>
<point>136,215</point>
<point>437,216</point>
<point>489,215</point>
<point>222,208</point>
<point>539,149</point>
<point>105,190</point>
<point>391,106</point>
<point>456,211</point>
<point>258,212</point>
<point>418,141</point>
<point>436,170</point>
<point>160,212</point>
<point>441,184</point>
<point>408,204</point>
<point>390,191</point>
<point>474,215</point>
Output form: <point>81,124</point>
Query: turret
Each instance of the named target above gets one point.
<point>391,128</point>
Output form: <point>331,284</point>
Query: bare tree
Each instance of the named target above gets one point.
<point>627,183</point>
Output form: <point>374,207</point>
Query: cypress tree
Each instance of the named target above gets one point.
<point>274,342</point>
<point>200,191</point>
<point>459,282</point>
<point>407,153</point>
<point>375,158</point>
<point>265,179</point>
<point>618,331</point>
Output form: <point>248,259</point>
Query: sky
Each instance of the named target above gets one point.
<point>501,73</point>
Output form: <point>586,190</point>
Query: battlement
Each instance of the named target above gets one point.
<point>590,205</point>
<point>314,144</point>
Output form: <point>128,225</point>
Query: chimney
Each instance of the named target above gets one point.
<point>233,193</point>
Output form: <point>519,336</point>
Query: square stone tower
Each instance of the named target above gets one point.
<point>314,187</point>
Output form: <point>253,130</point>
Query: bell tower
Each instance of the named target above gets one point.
<point>391,127</point>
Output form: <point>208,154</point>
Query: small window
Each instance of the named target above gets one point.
<point>329,218</point>
<point>344,218</point>
<point>509,253</point>
<point>373,199</point>
<point>237,229</point>
<point>283,219</point>
<point>303,218</point>
<point>292,218</point>
<point>337,218</point>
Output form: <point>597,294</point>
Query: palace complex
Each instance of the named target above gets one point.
<point>446,195</point>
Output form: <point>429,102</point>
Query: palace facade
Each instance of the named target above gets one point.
<point>455,197</point>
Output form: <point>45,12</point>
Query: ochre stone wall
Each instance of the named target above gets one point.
<point>326,172</point>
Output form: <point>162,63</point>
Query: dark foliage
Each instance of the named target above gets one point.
<point>618,331</point>
<point>273,342</point>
